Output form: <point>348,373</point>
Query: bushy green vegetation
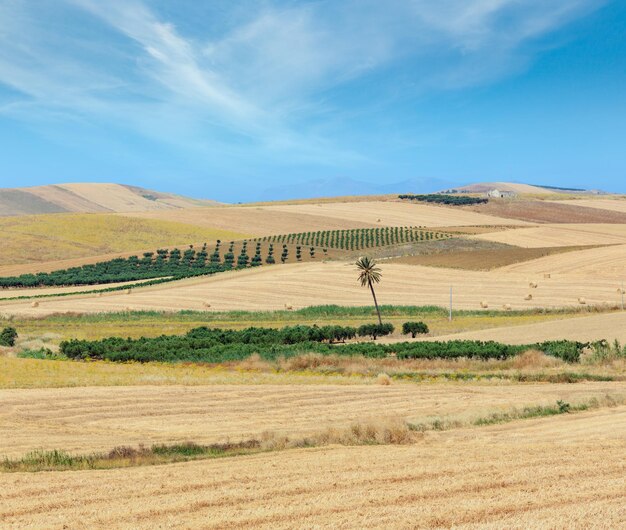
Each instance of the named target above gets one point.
<point>159,264</point>
<point>375,330</point>
<point>357,238</point>
<point>440,198</point>
<point>414,328</point>
<point>8,336</point>
<point>218,345</point>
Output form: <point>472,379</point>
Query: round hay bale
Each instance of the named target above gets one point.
<point>34,304</point>
<point>528,297</point>
<point>288,307</point>
<point>533,285</point>
<point>484,304</point>
<point>206,304</point>
<point>547,276</point>
<point>582,301</point>
<point>128,291</point>
<point>507,307</point>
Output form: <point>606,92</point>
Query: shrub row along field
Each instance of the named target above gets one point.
<point>441,198</point>
<point>216,346</point>
<point>174,264</point>
<point>359,238</point>
<point>163,263</point>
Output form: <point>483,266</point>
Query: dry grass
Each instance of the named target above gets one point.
<point>85,419</point>
<point>35,373</point>
<point>41,238</point>
<point>566,471</point>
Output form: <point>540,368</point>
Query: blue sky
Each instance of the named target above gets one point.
<point>242,100</point>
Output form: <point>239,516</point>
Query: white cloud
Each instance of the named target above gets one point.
<point>266,77</point>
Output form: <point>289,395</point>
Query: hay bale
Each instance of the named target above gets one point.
<point>484,304</point>
<point>206,304</point>
<point>621,291</point>
<point>533,285</point>
<point>507,307</point>
<point>288,307</point>
<point>528,297</point>
<point>582,301</point>
<point>547,276</point>
<point>34,304</point>
<point>128,291</point>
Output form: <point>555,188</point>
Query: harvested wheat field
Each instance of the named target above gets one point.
<point>526,474</point>
<point>617,204</point>
<point>563,235</point>
<point>585,329</point>
<point>604,261</point>
<point>297,285</point>
<point>396,214</point>
<point>83,419</point>
<point>549,212</point>
<point>254,220</point>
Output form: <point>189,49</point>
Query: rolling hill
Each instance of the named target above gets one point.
<point>90,198</point>
<point>483,187</point>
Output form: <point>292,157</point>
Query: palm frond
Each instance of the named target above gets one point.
<point>369,272</point>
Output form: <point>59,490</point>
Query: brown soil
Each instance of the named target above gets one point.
<point>482,259</point>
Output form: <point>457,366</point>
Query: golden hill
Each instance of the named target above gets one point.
<point>48,238</point>
<point>89,198</point>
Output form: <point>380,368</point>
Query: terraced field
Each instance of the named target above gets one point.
<point>521,475</point>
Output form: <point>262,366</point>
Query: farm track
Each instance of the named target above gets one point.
<point>82,420</point>
<point>525,474</point>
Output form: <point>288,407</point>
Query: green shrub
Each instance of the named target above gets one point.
<point>414,328</point>
<point>375,330</point>
<point>8,336</point>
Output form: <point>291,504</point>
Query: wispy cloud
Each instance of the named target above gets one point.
<point>265,81</point>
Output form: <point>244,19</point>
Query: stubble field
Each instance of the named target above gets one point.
<point>567,472</point>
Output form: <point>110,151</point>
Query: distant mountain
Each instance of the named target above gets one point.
<point>90,198</point>
<point>343,186</point>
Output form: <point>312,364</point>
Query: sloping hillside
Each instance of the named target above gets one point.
<point>484,187</point>
<point>89,198</point>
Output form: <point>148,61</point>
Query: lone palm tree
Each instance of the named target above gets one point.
<point>369,274</point>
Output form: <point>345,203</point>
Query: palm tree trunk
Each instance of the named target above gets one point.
<point>375,302</point>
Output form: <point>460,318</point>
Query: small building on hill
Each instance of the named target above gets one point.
<point>497,194</point>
